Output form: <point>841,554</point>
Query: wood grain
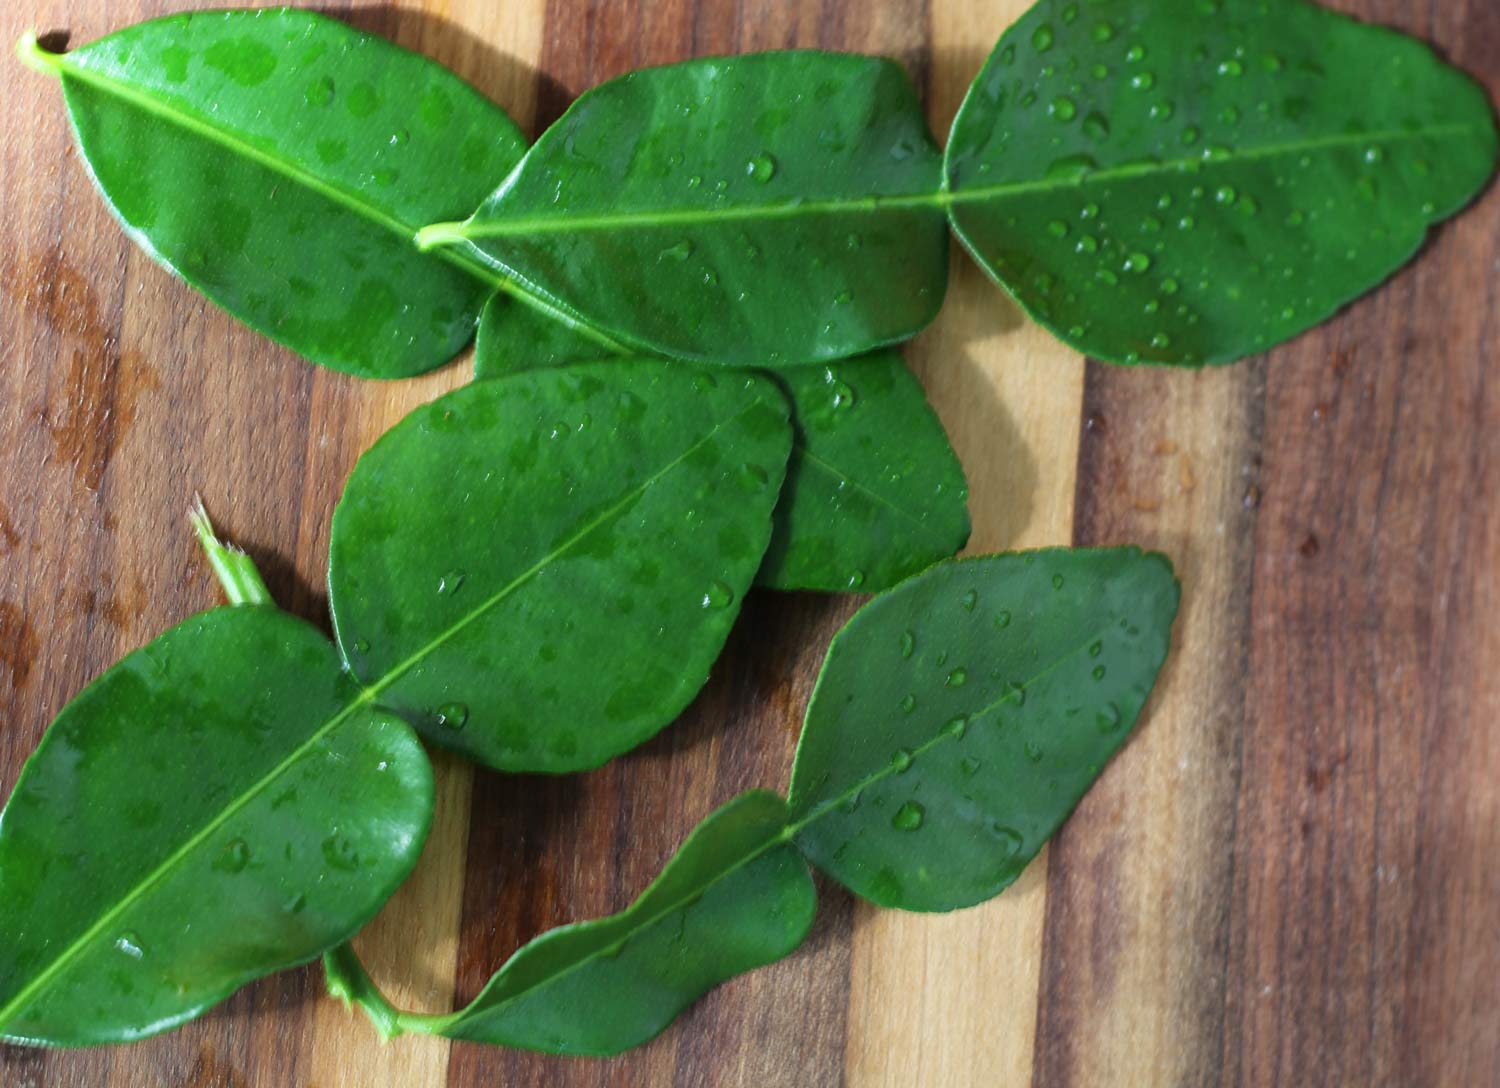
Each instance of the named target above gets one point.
<point>1288,877</point>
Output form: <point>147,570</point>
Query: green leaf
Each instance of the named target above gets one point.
<point>219,805</point>
<point>959,718</point>
<point>735,897</point>
<point>281,163</point>
<point>763,210</point>
<point>538,571</point>
<point>1191,181</point>
<point>873,491</point>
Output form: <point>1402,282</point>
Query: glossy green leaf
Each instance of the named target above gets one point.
<point>217,806</point>
<point>762,210</point>
<point>538,571</point>
<point>1192,181</point>
<point>281,163</point>
<point>735,897</point>
<point>959,718</point>
<point>873,491</point>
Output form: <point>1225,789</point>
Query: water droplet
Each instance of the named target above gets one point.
<point>680,252</point>
<point>1162,110</point>
<point>1135,54</point>
<point>969,766</point>
<point>1002,620</point>
<point>1087,244</point>
<point>855,580</point>
<point>908,817</point>
<point>1103,31</point>
<point>1033,751</point>
<point>1096,648</point>
<point>233,858</point>
<point>1108,719</point>
<point>1089,211</point>
<point>453,715</point>
<point>1096,127</point>
<point>718,595</point>
<point>1231,67</point>
<point>762,168</point>
<point>971,598</point>
<point>1191,135</point>
<point>1098,673</point>
<point>1143,81</point>
<point>901,760</point>
<point>1063,108</point>
<point>319,92</point>
<point>908,644</point>
<point>1042,38</point>
<point>908,703</point>
<point>1161,341</point>
<point>130,944</point>
<point>339,853</point>
<point>296,904</point>
<point>956,727</point>
<point>1057,228</point>
<point>753,478</point>
<point>399,137</point>
<point>1225,194</point>
<point>1014,693</point>
<point>957,677</point>
<point>1137,262</point>
<point>1169,286</point>
<point>361,645</point>
<point>450,582</point>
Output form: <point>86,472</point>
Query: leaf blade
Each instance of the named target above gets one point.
<point>109,942</point>
<point>735,896</point>
<point>809,235</point>
<point>292,202</point>
<point>1004,685</point>
<point>1223,180</point>
<point>434,601</point>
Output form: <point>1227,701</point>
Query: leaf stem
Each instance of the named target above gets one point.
<point>34,56</point>
<point>236,571</point>
<point>351,983</point>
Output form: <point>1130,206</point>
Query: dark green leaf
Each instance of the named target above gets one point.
<point>281,163</point>
<point>540,570</point>
<point>763,210</point>
<point>960,717</point>
<point>219,805</point>
<point>1191,181</point>
<point>873,491</point>
<point>735,897</point>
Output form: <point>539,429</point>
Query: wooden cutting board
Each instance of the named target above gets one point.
<point>1289,877</point>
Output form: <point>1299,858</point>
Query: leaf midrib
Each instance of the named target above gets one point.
<point>837,473</point>
<point>942,199</point>
<point>365,699</point>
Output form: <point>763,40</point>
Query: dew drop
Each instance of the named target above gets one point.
<point>957,677</point>
<point>130,944</point>
<point>1042,38</point>
<point>453,715</point>
<point>319,92</point>
<point>1135,54</point>
<point>908,817</point>
<point>1103,31</point>
<point>1137,262</point>
<point>1096,648</point>
<point>339,853</point>
<point>1002,620</point>
<point>956,727</point>
<point>449,583</point>
<point>718,595</point>
<point>762,168</point>
<point>901,760</point>
<point>908,644</point>
<point>1087,244</point>
<point>1033,751</point>
<point>1014,693</point>
<point>1108,719</point>
<point>680,252</point>
<point>233,858</point>
<point>908,703</point>
<point>1225,194</point>
<point>1063,108</point>
<point>1057,228</point>
<point>1096,127</point>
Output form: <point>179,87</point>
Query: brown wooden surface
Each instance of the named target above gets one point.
<point>1290,877</point>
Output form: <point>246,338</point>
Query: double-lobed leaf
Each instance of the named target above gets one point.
<point>217,806</point>
<point>1193,181</point>
<point>281,162</point>
<point>763,210</point>
<point>539,571</point>
<point>959,718</point>
<point>873,493</point>
<point>735,897</point>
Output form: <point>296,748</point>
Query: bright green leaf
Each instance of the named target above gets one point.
<point>538,571</point>
<point>959,718</point>
<point>1193,181</point>
<point>735,897</point>
<point>219,805</point>
<point>763,210</point>
<point>281,163</point>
